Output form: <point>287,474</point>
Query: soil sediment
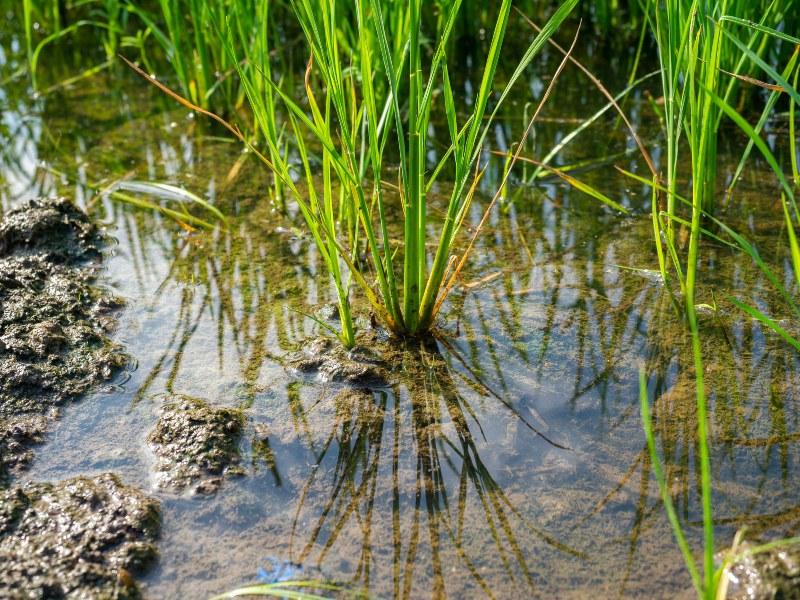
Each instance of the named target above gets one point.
<point>54,321</point>
<point>80,538</point>
<point>196,444</point>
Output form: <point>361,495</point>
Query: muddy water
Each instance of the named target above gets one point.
<point>505,458</point>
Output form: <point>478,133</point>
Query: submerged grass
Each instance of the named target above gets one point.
<point>285,589</point>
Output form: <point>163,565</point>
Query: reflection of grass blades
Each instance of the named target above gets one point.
<point>666,497</point>
<point>282,589</point>
<point>713,585</point>
<point>357,442</point>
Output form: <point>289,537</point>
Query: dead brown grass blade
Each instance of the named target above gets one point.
<point>599,85</point>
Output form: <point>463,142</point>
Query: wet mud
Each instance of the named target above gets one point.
<point>54,321</point>
<point>81,538</point>
<point>329,361</point>
<point>196,445</point>
<point>770,575</point>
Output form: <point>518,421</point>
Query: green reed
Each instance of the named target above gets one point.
<point>710,583</point>
<point>354,123</point>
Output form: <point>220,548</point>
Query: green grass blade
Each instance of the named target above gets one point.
<point>762,28</point>
<point>170,192</point>
<point>773,325</point>
<point>760,144</point>
<point>666,499</point>
<point>793,245</point>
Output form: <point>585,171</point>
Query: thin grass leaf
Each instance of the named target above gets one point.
<point>578,185</point>
<point>760,144</point>
<point>169,192</point>
<point>759,27</point>
<point>764,319</point>
<point>666,498</point>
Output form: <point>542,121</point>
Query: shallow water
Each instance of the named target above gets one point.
<point>508,459</point>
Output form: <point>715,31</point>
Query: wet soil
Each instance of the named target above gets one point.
<point>196,444</point>
<point>80,538</point>
<point>331,362</point>
<point>54,321</point>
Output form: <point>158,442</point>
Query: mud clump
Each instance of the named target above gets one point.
<point>53,321</point>
<point>770,575</point>
<point>80,538</point>
<point>53,228</point>
<point>196,444</point>
<point>331,361</point>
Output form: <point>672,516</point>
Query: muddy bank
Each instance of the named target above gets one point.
<point>54,321</point>
<point>330,361</point>
<point>80,538</point>
<point>196,444</point>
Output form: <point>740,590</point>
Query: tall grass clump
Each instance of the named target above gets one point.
<point>706,51</point>
<point>379,95</point>
<point>693,38</point>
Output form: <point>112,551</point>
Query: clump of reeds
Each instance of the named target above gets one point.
<point>380,93</point>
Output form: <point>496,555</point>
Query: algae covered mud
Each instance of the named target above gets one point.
<point>177,420</point>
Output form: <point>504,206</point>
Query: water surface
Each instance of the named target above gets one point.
<point>508,458</point>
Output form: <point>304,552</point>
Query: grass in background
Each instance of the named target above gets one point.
<point>186,32</point>
<point>56,20</point>
<point>702,67</point>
